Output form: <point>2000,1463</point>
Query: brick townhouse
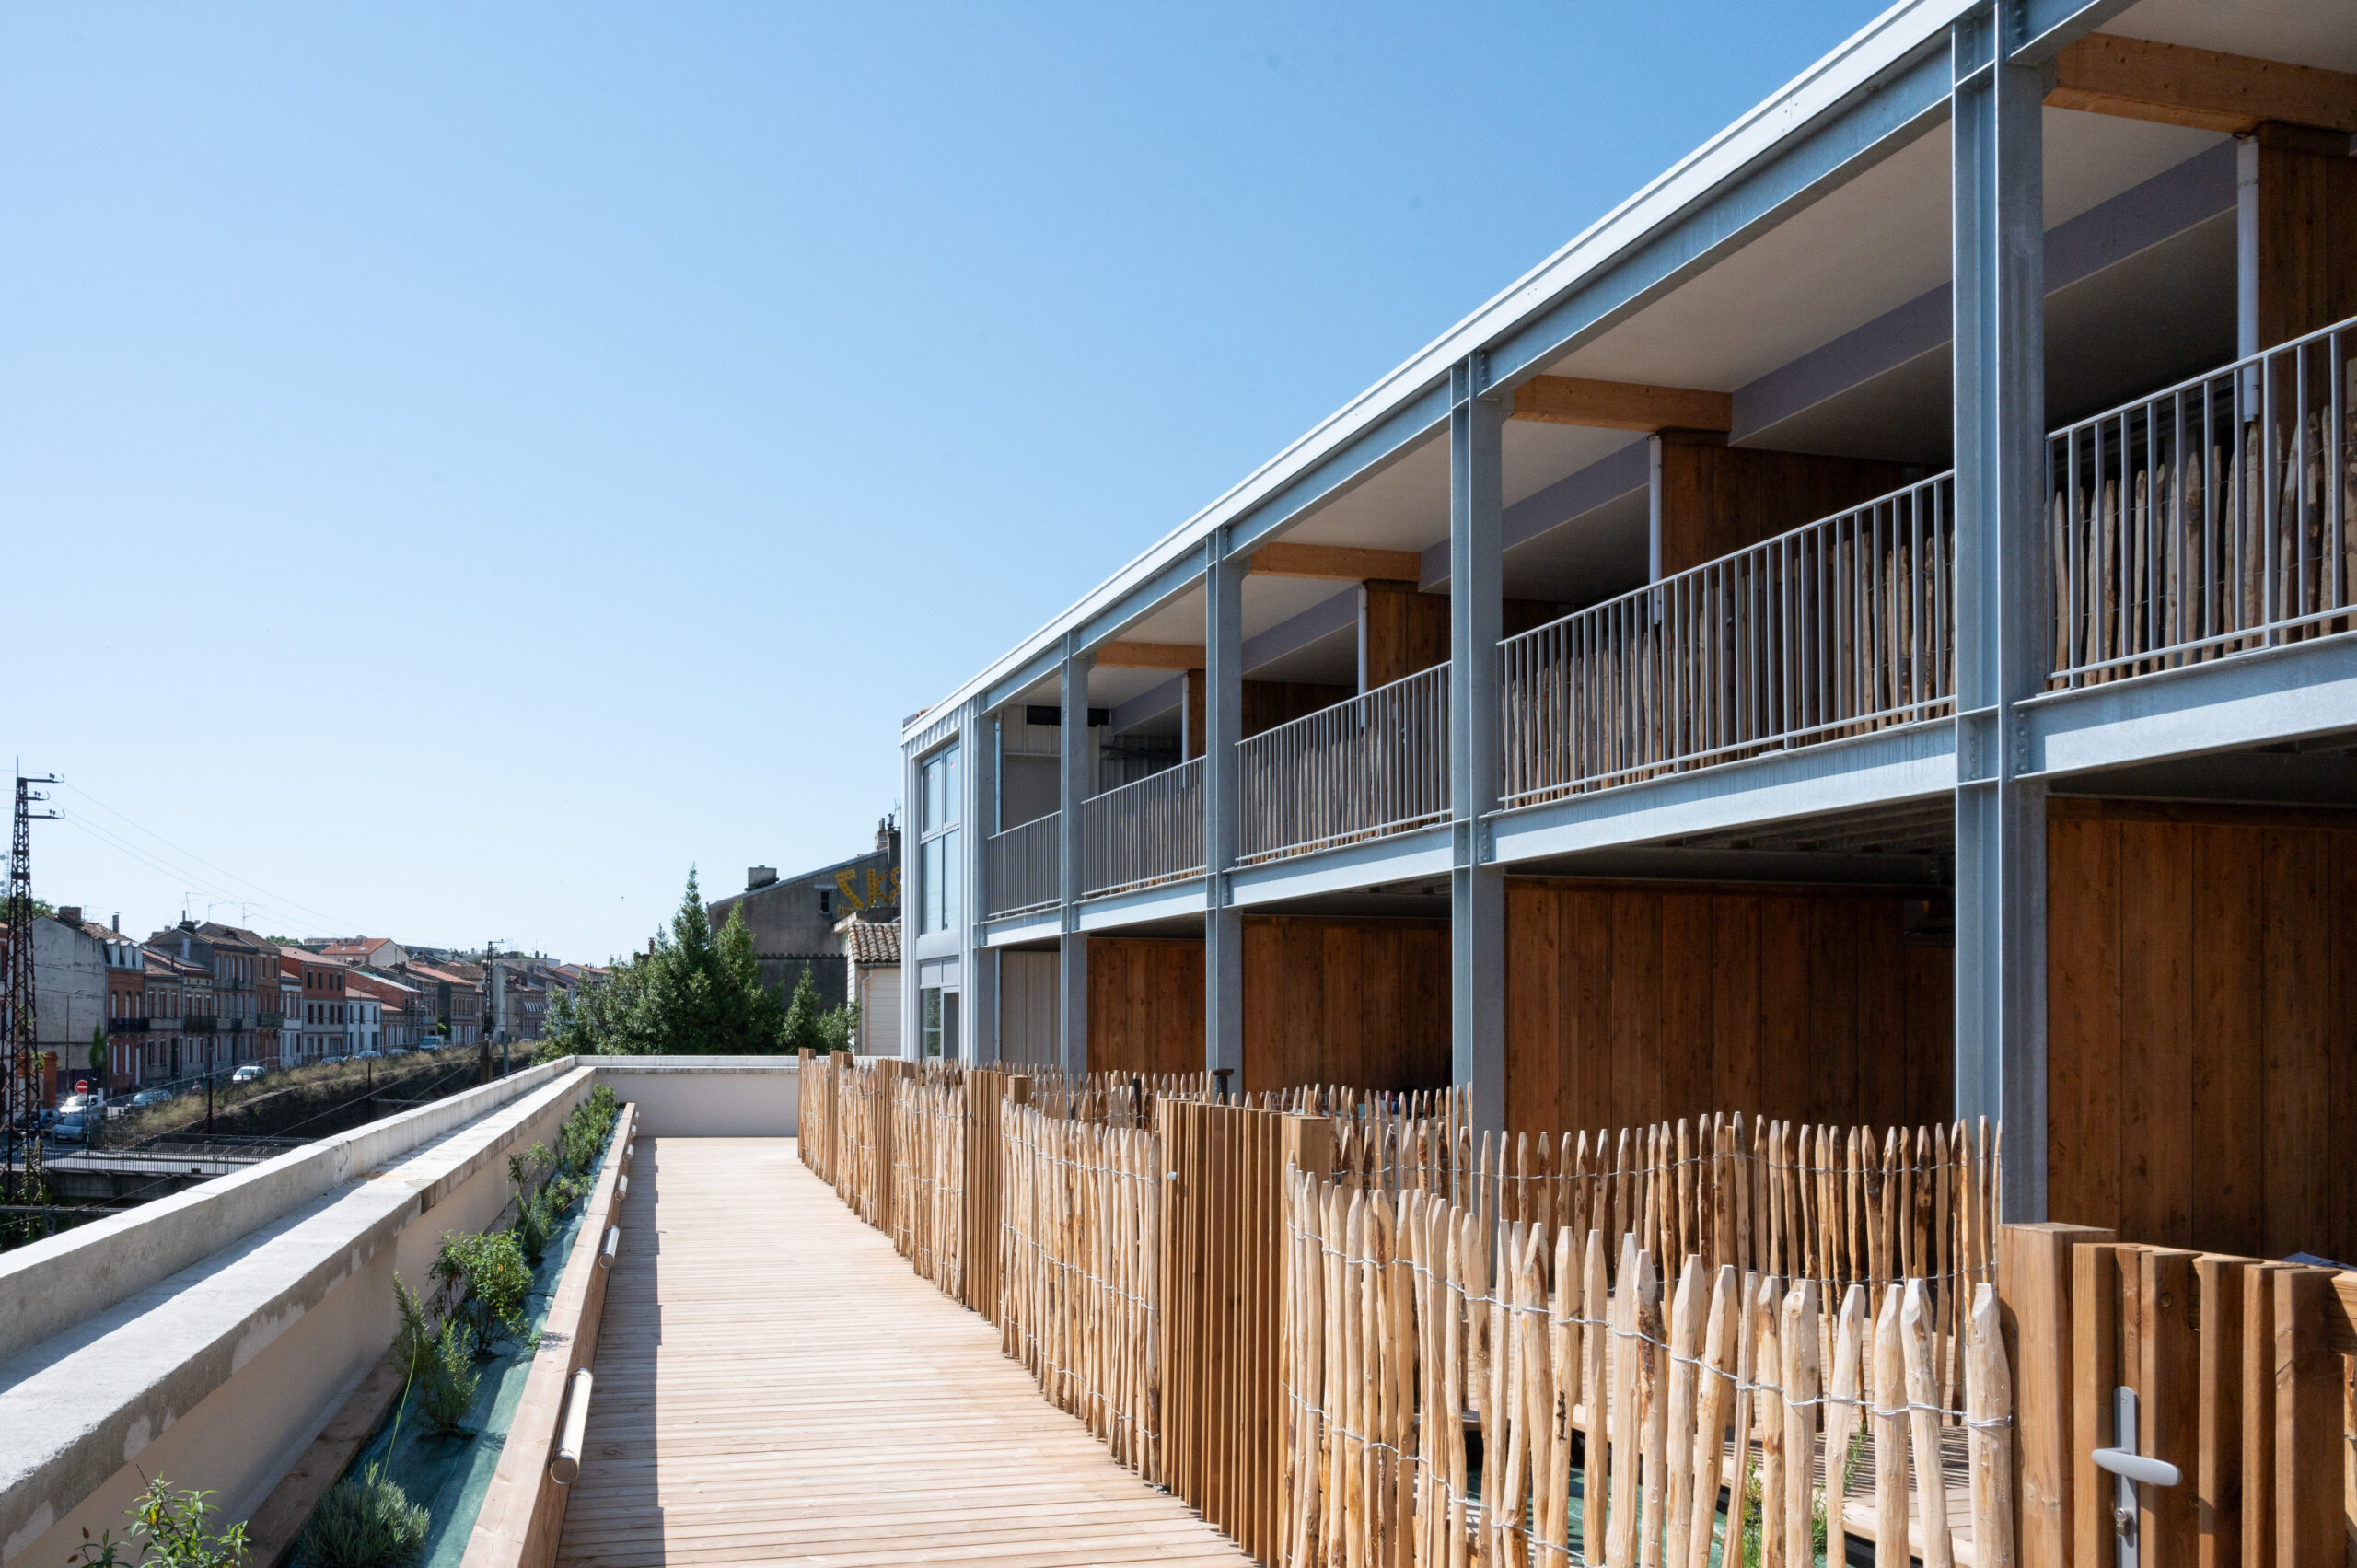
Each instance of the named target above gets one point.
<point>321,1003</point>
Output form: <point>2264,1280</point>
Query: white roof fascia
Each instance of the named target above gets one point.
<point>1890,40</point>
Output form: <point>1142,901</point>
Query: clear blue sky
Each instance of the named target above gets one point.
<point>461,464</point>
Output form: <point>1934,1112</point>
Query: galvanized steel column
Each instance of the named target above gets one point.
<point>911,1044</point>
<point>977,818</point>
<point>1999,587</point>
<point>1078,774</point>
<point>1222,804</point>
<point>1477,887</point>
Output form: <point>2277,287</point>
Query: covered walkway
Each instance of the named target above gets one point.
<point>773,1384</point>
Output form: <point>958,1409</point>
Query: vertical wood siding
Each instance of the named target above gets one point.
<point>1629,1003</point>
<point>2201,1026</point>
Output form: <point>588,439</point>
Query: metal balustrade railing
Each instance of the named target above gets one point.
<point>1835,629</point>
<point>2207,519</point>
<point>1144,832</point>
<point>1375,765</point>
<point>1023,867</point>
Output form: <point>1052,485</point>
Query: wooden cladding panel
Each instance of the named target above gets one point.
<point>1711,499</point>
<point>2307,239</point>
<point>2201,1026</point>
<point>1629,1003</point>
<point>1401,631</point>
<point>1356,1002</point>
<point>1146,1005</point>
<point>1268,704</point>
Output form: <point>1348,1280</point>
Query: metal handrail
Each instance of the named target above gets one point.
<point>2209,518</point>
<point>1144,832</point>
<point>1839,627</point>
<point>1023,867</point>
<point>1375,765</point>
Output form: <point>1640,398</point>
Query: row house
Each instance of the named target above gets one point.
<point>320,1008</point>
<point>397,1010</point>
<point>245,973</point>
<point>453,992</point>
<point>1865,632</point>
<point>180,1015</point>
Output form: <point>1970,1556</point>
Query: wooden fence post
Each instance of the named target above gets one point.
<point>2308,1441</point>
<point>2168,1381</point>
<point>2034,1286</point>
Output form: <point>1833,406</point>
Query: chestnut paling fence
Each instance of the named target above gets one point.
<point>1349,1330</point>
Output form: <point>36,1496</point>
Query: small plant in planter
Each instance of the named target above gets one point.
<point>490,1281</point>
<point>439,1365</point>
<point>168,1528</point>
<point>366,1522</point>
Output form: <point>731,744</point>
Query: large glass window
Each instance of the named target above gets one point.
<point>939,905</point>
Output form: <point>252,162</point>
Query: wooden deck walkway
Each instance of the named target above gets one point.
<point>774,1385</point>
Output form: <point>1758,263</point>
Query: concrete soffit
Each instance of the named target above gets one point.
<point>1884,85</point>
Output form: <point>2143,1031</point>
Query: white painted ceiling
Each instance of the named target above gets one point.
<point>2303,33</point>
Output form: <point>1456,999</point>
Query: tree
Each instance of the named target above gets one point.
<point>694,993</point>
<point>98,1051</point>
<point>804,1024</point>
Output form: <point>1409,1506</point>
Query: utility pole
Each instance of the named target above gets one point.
<point>20,1094</point>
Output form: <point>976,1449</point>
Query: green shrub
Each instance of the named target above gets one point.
<point>487,1279</point>
<point>168,1528</point>
<point>367,1521</point>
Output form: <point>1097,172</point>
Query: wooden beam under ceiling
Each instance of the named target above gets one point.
<point>1337,562</point>
<point>1621,405</point>
<point>1149,655</point>
<point>2205,88</point>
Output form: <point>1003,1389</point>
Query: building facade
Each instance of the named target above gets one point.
<point>792,919</point>
<point>1862,634</point>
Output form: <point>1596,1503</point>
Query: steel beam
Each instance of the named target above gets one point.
<point>1077,755</point>
<point>1477,885</point>
<point>1916,762</point>
<point>2000,336</point>
<point>1222,805</point>
<point>2265,697</point>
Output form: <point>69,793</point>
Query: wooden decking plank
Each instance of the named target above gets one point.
<point>776,1384</point>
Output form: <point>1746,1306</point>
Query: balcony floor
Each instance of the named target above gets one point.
<point>774,1385</point>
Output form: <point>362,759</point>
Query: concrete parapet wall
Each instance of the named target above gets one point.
<point>707,1096</point>
<point>207,1339</point>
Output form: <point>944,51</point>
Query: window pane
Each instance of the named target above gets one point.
<point>929,1024</point>
<point>929,918</point>
<point>950,787</point>
<point>950,873</point>
<point>934,793</point>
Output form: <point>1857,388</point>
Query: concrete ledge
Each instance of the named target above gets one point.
<point>69,1278</point>
<point>86,1402</point>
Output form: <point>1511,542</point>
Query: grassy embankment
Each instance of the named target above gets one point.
<point>309,1101</point>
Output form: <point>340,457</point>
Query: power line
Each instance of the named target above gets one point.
<point>131,851</point>
<point>277,901</point>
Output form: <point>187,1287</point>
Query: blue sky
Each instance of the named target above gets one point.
<point>459,465</point>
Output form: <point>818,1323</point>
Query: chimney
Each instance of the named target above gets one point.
<point>118,923</point>
<point>759,876</point>
<point>70,914</point>
<point>883,835</point>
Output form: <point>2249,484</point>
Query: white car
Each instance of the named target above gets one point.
<point>249,1074</point>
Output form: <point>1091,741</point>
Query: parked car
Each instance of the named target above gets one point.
<point>367,1056</point>
<point>251,1073</point>
<point>72,1126</point>
<point>394,1050</point>
<point>146,1097</point>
